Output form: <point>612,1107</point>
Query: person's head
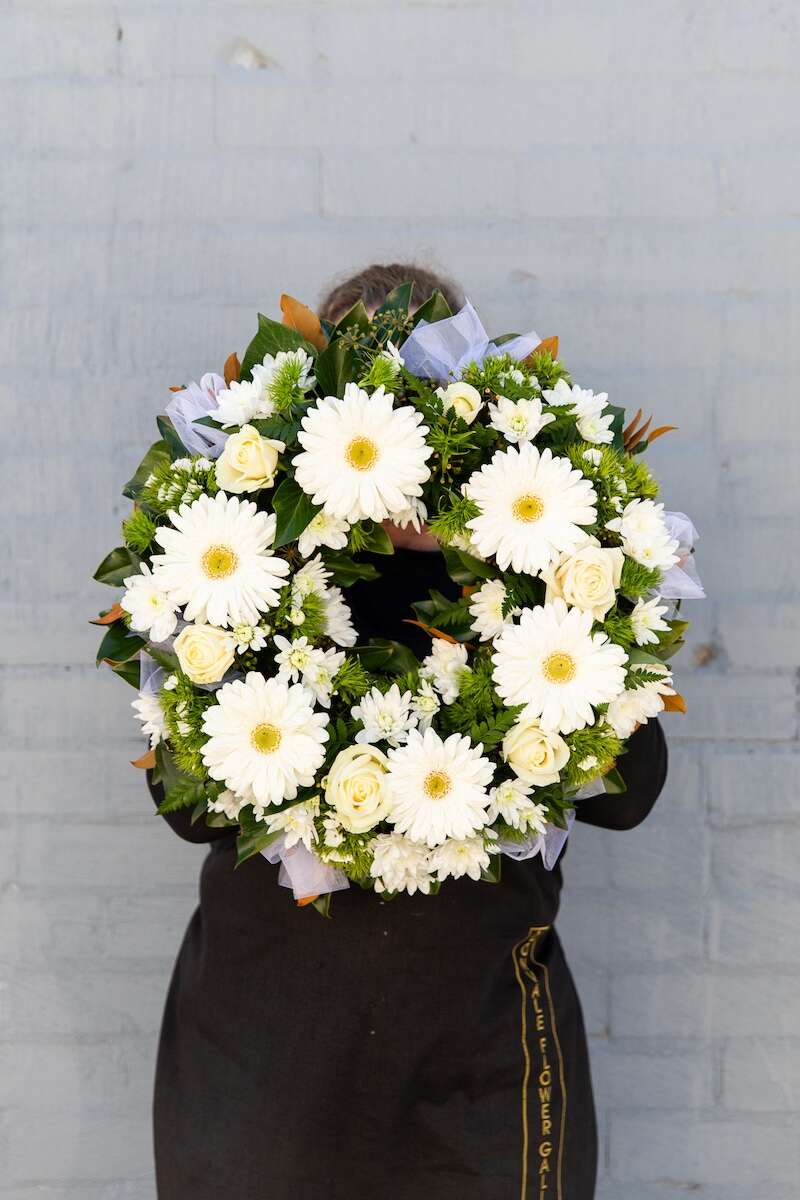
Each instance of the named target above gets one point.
<point>373,284</point>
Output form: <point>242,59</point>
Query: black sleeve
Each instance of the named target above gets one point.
<point>181,821</point>
<point>644,769</point>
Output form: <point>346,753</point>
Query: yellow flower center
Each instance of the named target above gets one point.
<point>437,784</point>
<point>219,562</point>
<point>266,738</point>
<point>528,508</point>
<point>559,668</point>
<point>362,453</point>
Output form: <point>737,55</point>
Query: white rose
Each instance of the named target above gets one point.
<point>534,754</point>
<point>248,461</point>
<point>205,652</point>
<point>587,579</point>
<point>464,398</point>
<point>356,787</point>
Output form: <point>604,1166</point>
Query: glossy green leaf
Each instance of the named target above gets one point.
<point>346,570</point>
<point>397,300</point>
<point>156,456</point>
<point>169,433</point>
<point>463,568</point>
<point>293,510</point>
<point>356,317</point>
<point>435,308</point>
<point>391,657</point>
<point>117,566</point>
<point>335,367</point>
<point>119,645</point>
<point>271,337</point>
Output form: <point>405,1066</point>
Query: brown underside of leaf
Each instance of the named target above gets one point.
<point>548,343</point>
<point>114,614</point>
<point>300,317</point>
<point>230,371</point>
<point>437,633</point>
<point>675,703</point>
<point>178,389</point>
<point>629,428</point>
<point>304,900</point>
<point>657,433</point>
<point>146,761</point>
<point>468,588</point>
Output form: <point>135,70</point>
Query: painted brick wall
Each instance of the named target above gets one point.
<point>623,174</point>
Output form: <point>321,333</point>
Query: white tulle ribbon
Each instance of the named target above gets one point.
<point>549,844</point>
<point>302,871</point>
<point>188,406</point>
<point>441,349</point>
<point>151,675</point>
<point>682,582</point>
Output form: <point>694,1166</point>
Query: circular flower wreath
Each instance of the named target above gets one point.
<point>357,762</point>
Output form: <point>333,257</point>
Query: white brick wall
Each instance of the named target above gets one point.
<point>622,174</point>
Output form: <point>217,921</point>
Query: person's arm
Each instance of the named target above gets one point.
<point>644,769</point>
<point>181,821</point>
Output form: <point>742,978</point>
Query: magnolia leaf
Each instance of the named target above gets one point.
<point>434,309</point>
<point>357,317</point>
<point>232,369</point>
<point>346,571</point>
<point>491,874</point>
<point>300,317</point>
<point>128,671</point>
<point>253,840</point>
<point>636,436</point>
<point>657,433</point>
<point>145,761</point>
<point>383,655</point>
<point>675,703</point>
<point>293,510</point>
<point>119,645</point>
<point>302,901</point>
<point>156,456</point>
<point>335,366</point>
<point>397,300</point>
<point>548,344</point>
<point>272,337</point>
<point>463,568</point>
<point>613,782</point>
<point>375,539</point>
<point>109,616</point>
<point>433,631</point>
<point>116,567</point>
<point>170,435</point>
<point>321,903</point>
<point>629,428</point>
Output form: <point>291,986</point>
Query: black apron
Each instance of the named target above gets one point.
<point>424,1046</point>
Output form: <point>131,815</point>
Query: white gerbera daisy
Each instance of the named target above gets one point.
<point>265,740</point>
<point>425,704</point>
<point>151,610</point>
<point>338,618</point>
<point>216,561</point>
<point>461,856</point>
<point>386,716</point>
<point>444,667</point>
<point>511,803</point>
<point>323,530</point>
<point>486,609</point>
<point>532,507</point>
<point>645,536</point>
<point>400,865</point>
<point>296,823</point>
<point>362,458</point>
<point>553,663</point>
<point>518,420</point>
<point>439,788</point>
<point>147,707</point>
<point>647,620</point>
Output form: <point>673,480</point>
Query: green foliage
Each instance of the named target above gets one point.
<point>452,616</point>
<point>465,569</point>
<point>638,677</point>
<point>172,441</point>
<point>351,681</point>
<point>184,707</point>
<point>435,308</point>
<point>138,530</point>
<point>178,482</point>
<point>619,628</point>
<point>116,567</point>
<point>119,645</point>
<point>346,570</point>
<point>184,793</point>
<point>595,741</point>
<point>369,536</point>
<point>548,370</point>
<point>501,375</point>
<point>383,372</point>
<point>451,523</point>
<point>156,456</point>
<point>293,510</point>
<point>522,591</point>
<point>637,580</point>
<point>380,654</point>
<point>270,338</point>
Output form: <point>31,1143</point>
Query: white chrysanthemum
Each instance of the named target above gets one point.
<point>386,716</point>
<point>532,507</point>
<point>400,865</point>
<point>217,561</point>
<point>265,740</point>
<point>362,458</point>
<point>486,609</point>
<point>645,536</point>
<point>284,375</point>
<point>250,637</point>
<point>444,667</point>
<point>511,803</point>
<point>647,620</point>
<point>323,530</point>
<point>319,675</point>
<point>333,831</point>
<point>151,610</point>
<point>518,420</point>
<point>425,704</point>
<point>293,658</point>
<point>296,823</point>
<point>338,618</point>
<point>594,424</point>
<point>638,705</point>
<point>553,663</point>
<point>393,356</point>
<point>439,788</point>
<point>460,856</point>
<point>311,579</point>
<point>147,707</point>
<point>593,457</point>
<point>237,404</point>
<point>228,804</point>
<point>415,515</point>
<point>559,395</point>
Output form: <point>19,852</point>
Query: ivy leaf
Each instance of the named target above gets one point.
<point>271,337</point>
<point>119,645</point>
<point>117,566</point>
<point>173,443</point>
<point>293,509</point>
<point>156,456</point>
